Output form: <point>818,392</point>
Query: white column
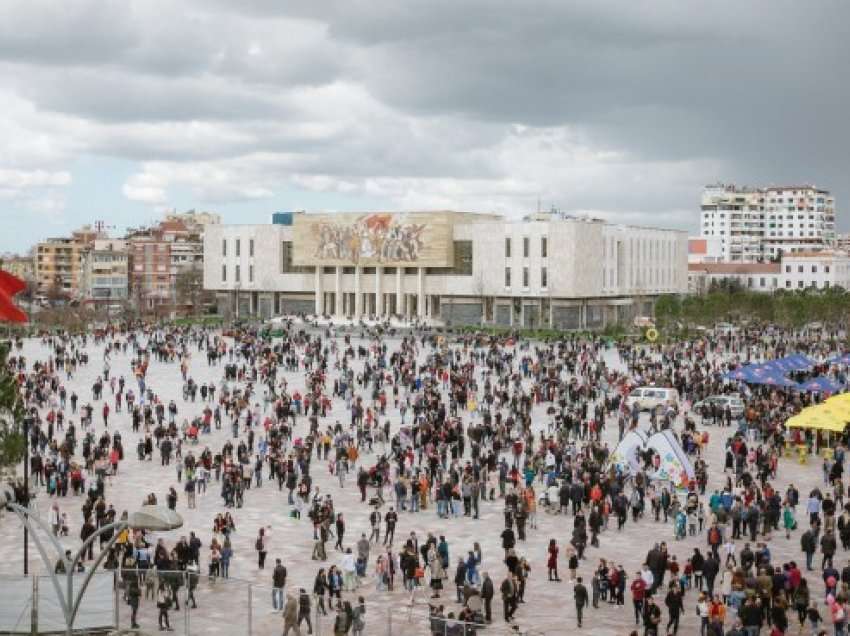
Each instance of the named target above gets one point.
<point>399,298</point>
<point>420,292</point>
<point>320,291</point>
<point>379,292</point>
<point>338,302</point>
<point>358,297</point>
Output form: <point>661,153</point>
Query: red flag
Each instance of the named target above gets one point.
<point>9,286</point>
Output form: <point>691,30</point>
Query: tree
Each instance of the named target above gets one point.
<point>12,440</point>
<point>668,308</point>
<point>188,285</point>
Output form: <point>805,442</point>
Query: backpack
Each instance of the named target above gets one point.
<point>714,536</point>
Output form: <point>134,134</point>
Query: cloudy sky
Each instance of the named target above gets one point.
<point>118,110</point>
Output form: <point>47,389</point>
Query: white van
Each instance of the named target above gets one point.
<point>649,397</point>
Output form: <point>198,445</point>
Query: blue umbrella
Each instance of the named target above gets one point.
<point>774,380</point>
<point>821,384</point>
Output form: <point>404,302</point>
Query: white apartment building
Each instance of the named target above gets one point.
<point>735,216</point>
<point>547,270</point>
<point>797,218</point>
<point>759,277</point>
<point>796,271</point>
<point>817,270</point>
<point>764,223</point>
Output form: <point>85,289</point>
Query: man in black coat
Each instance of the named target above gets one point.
<point>808,544</point>
<point>576,495</point>
<point>581,599</point>
<point>508,590</point>
<point>709,570</point>
<point>827,546</point>
<point>508,540</point>
<point>487,597</point>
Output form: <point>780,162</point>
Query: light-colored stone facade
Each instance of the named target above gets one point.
<point>543,271</point>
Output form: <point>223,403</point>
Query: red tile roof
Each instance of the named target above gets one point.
<point>735,268</point>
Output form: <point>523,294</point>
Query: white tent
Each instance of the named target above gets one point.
<point>672,464</point>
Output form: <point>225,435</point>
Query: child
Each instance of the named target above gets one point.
<point>813,616</point>
<point>680,524</point>
<point>674,568</point>
<point>687,575</point>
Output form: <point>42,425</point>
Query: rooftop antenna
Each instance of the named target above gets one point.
<point>100,226</point>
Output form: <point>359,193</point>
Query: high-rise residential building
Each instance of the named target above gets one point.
<point>735,216</point>
<point>797,219</point>
<point>58,262</point>
<point>755,224</point>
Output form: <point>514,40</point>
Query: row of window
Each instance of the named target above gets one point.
<point>802,285</point>
<point>237,274</point>
<point>814,269</point>
<point>238,247</point>
<point>526,247</point>
<point>526,277</point>
<point>788,215</point>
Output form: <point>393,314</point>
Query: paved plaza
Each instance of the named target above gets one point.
<point>224,606</point>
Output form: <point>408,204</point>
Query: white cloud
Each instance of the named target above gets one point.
<point>146,188</point>
<point>22,179</point>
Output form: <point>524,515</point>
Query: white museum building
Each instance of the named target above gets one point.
<point>545,270</point>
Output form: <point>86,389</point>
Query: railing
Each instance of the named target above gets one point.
<point>229,606</point>
<point>239,607</point>
<point>28,605</point>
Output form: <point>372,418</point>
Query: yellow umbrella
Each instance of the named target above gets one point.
<point>818,420</point>
<point>838,409</point>
<point>841,398</point>
<point>838,414</point>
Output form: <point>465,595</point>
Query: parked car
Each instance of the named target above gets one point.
<point>734,402</point>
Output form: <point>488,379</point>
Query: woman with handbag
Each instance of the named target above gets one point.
<point>163,602</point>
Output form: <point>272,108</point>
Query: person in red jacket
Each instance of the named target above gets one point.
<point>552,562</point>
<point>638,594</point>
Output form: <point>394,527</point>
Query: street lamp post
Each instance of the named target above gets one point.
<point>154,518</point>
<point>27,422</point>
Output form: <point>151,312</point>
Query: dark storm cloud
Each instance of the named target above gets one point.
<point>627,107</point>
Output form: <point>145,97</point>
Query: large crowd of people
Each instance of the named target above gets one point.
<point>359,431</point>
